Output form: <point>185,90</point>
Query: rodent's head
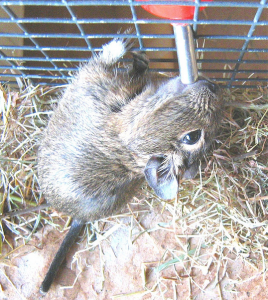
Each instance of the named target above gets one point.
<point>172,131</point>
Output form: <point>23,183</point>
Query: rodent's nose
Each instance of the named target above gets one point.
<point>214,88</point>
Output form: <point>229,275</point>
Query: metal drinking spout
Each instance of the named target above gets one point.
<point>186,53</point>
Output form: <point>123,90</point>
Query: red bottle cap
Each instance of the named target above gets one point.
<point>173,12</point>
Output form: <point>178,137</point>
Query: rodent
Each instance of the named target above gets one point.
<point>112,130</point>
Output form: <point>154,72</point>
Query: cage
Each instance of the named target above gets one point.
<point>46,41</point>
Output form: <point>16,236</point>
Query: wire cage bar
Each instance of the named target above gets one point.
<point>46,41</point>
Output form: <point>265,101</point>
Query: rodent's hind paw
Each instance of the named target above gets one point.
<point>140,62</point>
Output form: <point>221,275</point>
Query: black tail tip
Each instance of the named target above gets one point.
<point>43,290</point>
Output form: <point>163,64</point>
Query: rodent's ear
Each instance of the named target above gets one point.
<point>161,177</point>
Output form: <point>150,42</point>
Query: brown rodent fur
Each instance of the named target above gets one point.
<point>112,130</point>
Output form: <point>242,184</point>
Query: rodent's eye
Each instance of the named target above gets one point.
<point>192,137</point>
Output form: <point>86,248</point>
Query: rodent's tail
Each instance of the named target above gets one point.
<point>114,50</point>
<point>60,256</point>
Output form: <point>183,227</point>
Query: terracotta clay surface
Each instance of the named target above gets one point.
<point>128,270</point>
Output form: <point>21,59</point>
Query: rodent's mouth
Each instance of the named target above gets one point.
<point>191,171</point>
